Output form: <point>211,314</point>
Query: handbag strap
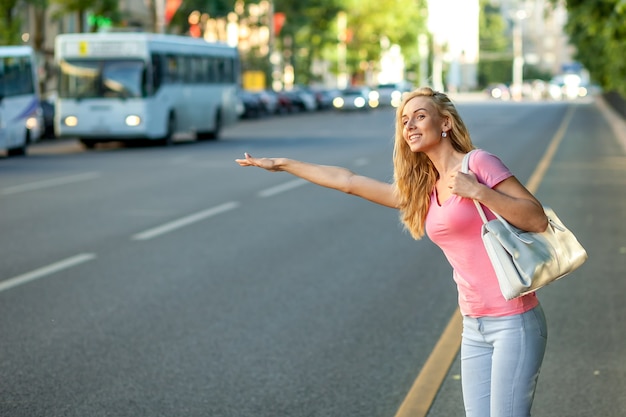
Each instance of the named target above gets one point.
<point>481,212</point>
<point>465,170</point>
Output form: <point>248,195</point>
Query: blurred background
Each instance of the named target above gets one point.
<point>506,49</point>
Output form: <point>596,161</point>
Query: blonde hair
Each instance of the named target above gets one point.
<point>414,173</point>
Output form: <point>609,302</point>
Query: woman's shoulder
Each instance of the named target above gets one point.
<point>488,167</point>
<point>480,154</point>
<point>480,157</point>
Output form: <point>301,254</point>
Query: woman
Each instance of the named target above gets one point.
<point>503,341</point>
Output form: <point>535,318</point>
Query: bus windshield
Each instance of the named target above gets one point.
<point>16,76</point>
<point>121,78</point>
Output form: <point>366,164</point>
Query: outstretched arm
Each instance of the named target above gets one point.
<point>337,178</point>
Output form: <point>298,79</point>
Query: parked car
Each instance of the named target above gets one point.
<point>252,106</point>
<point>268,100</point>
<point>391,94</point>
<point>324,97</point>
<point>355,98</point>
<point>302,100</point>
<point>285,102</point>
<point>498,91</point>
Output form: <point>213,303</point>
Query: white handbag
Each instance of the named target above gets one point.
<point>525,261</point>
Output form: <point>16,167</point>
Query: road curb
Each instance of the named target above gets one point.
<point>615,120</point>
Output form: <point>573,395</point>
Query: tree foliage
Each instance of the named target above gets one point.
<point>495,63</point>
<point>9,24</point>
<point>308,31</point>
<point>373,24</point>
<point>103,8</point>
<point>598,32</point>
<point>215,8</point>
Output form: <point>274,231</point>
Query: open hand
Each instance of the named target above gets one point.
<point>269,164</point>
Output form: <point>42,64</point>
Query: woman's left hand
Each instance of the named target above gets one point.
<point>463,185</point>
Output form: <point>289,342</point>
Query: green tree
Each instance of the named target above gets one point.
<point>371,23</point>
<point>308,31</point>
<point>598,32</point>
<point>215,9</point>
<point>39,26</point>
<point>10,24</point>
<point>495,65</point>
<point>107,9</point>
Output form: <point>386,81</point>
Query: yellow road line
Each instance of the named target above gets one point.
<point>422,394</point>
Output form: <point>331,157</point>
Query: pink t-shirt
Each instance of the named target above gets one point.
<point>455,226</point>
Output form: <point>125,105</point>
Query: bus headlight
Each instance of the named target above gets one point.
<point>31,123</point>
<point>71,121</point>
<point>133,120</point>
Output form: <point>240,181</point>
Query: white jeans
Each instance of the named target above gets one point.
<point>500,362</point>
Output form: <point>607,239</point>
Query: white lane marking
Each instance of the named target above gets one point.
<point>185,221</point>
<point>46,270</point>
<point>53,182</point>
<point>268,192</point>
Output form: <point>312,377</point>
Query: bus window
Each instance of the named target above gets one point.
<point>157,71</point>
<point>187,69</point>
<point>17,76</point>
<point>94,78</point>
<point>122,79</point>
<point>221,70</point>
<point>212,70</point>
<point>228,69</point>
<point>78,79</point>
<point>171,69</point>
<point>199,76</point>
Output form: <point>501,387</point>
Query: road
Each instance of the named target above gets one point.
<point>152,281</point>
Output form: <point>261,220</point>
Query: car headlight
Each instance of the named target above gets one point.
<point>338,102</point>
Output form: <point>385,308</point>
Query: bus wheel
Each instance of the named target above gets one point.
<point>88,143</point>
<point>215,133</point>
<point>19,151</point>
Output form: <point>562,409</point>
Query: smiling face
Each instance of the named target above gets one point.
<point>422,124</point>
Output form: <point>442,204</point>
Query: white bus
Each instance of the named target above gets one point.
<point>138,86</point>
<point>21,120</point>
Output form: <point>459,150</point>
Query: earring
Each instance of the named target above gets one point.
<point>444,134</point>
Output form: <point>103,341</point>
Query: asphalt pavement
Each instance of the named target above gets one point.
<point>169,281</point>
